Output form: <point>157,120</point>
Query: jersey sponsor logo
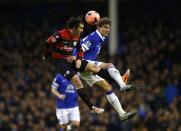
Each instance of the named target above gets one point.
<point>65,42</point>
<point>67,48</point>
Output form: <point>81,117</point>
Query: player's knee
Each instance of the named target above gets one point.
<point>106,65</point>
<point>76,124</point>
<point>95,68</point>
<point>63,127</point>
<point>92,68</point>
<point>110,65</point>
<point>76,82</point>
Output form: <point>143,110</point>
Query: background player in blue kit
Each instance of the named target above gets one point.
<point>66,101</point>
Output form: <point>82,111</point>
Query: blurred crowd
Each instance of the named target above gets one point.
<point>149,45</point>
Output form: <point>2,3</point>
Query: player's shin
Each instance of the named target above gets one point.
<point>114,101</point>
<point>83,95</point>
<point>115,74</point>
<point>81,91</point>
<point>106,75</point>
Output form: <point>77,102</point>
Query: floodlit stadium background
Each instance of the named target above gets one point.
<point>149,43</point>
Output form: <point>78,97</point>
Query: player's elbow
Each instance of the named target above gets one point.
<point>54,91</point>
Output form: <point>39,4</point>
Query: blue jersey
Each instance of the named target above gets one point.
<point>63,86</point>
<point>91,45</point>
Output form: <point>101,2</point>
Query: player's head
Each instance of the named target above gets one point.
<point>104,26</point>
<point>75,24</point>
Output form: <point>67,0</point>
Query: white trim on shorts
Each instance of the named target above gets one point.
<point>64,116</point>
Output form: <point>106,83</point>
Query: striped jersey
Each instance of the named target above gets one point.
<point>61,44</point>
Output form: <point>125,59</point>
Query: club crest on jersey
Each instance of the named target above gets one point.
<point>75,43</point>
<point>88,43</point>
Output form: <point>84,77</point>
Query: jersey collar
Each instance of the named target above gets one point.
<point>102,37</point>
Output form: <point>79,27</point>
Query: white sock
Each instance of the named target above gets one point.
<point>115,74</point>
<point>114,101</point>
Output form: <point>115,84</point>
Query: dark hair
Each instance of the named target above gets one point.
<point>103,21</point>
<point>74,22</point>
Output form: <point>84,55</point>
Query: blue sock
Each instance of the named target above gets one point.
<point>109,92</point>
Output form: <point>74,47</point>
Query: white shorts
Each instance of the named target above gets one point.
<point>89,77</point>
<point>64,116</point>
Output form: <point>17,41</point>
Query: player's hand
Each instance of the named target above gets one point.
<point>62,97</point>
<point>78,64</point>
<point>71,59</point>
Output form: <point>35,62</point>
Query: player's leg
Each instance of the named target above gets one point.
<point>123,77</point>
<point>90,67</point>
<point>74,118</point>
<point>62,116</point>
<point>112,98</point>
<point>114,73</point>
<point>97,70</point>
<point>109,72</point>
<point>114,101</point>
<point>83,95</point>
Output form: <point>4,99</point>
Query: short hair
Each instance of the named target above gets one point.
<point>103,21</point>
<point>74,22</point>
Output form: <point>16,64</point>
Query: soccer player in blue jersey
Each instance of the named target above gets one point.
<point>91,46</point>
<point>66,101</point>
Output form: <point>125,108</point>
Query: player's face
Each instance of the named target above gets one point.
<point>104,30</point>
<point>79,30</point>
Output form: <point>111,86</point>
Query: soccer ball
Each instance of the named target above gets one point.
<point>92,17</point>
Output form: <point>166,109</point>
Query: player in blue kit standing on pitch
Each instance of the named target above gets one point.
<point>67,110</point>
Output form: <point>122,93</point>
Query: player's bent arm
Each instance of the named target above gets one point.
<point>57,94</point>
